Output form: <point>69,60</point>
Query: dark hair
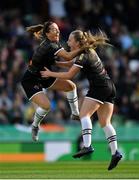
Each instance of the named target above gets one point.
<point>34,28</point>
<point>46,27</point>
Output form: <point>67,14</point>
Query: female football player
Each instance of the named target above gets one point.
<point>33,84</point>
<point>100,96</point>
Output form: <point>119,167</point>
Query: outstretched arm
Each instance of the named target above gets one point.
<point>63,75</point>
<point>64,64</point>
<point>69,55</point>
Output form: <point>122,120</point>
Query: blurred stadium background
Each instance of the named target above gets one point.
<point>59,136</point>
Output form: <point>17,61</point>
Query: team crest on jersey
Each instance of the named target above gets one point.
<point>36,87</point>
<point>81,57</point>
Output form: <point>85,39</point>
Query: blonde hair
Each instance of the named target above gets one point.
<point>87,38</point>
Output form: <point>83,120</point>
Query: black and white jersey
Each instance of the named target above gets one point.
<point>44,56</point>
<point>92,68</point>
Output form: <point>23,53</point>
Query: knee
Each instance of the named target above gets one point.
<point>46,107</point>
<point>71,85</point>
<point>103,123</point>
<point>42,111</point>
<point>84,114</point>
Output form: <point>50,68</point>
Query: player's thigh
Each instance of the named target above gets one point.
<point>89,106</point>
<point>41,100</point>
<point>104,113</point>
<point>63,85</point>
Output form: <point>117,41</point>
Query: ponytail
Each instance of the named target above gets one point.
<point>35,28</point>
<point>99,39</point>
<point>90,40</point>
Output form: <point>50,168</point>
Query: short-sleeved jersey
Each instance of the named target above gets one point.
<point>92,67</point>
<point>44,56</point>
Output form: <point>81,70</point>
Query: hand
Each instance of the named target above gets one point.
<point>46,73</point>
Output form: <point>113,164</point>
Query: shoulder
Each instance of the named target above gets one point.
<point>80,57</point>
<point>93,55</point>
<point>55,45</point>
<point>92,52</point>
<point>44,44</point>
<point>79,60</point>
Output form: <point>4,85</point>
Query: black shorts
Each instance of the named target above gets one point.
<point>103,94</point>
<point>32,84</point>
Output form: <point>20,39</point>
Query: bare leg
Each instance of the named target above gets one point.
<point>70,88</point>
<point>89,106</point>
<point>41,100</point>
<point>44,107</point>
<point>104,115</point>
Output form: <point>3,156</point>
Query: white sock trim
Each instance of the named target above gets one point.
<point>73,101</point>
<point>110,134</point>
<point>86,130</point>
<point>39,116</point>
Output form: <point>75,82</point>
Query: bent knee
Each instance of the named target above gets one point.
<point>46,107</point>
<point>71,85</point>
<point>42,111</point>
<point>103,122</point>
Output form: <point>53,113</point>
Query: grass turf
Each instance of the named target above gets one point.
<point>69,170</point>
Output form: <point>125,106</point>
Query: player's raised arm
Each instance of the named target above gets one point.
<point>64,64</point>
<point>69,55</point>
<point>63,75</point>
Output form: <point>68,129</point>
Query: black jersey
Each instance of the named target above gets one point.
<point>44,56</point>
<point>92,68</point>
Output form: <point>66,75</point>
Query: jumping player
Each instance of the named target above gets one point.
<point>100,96</point>
<point>32,82</point>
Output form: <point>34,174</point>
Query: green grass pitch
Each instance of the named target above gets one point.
<point>69,170</point>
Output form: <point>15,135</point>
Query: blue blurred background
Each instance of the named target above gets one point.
<point>119,19</point>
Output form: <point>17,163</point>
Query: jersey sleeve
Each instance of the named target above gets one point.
<point>55,48</point>
<point>79,61</point>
